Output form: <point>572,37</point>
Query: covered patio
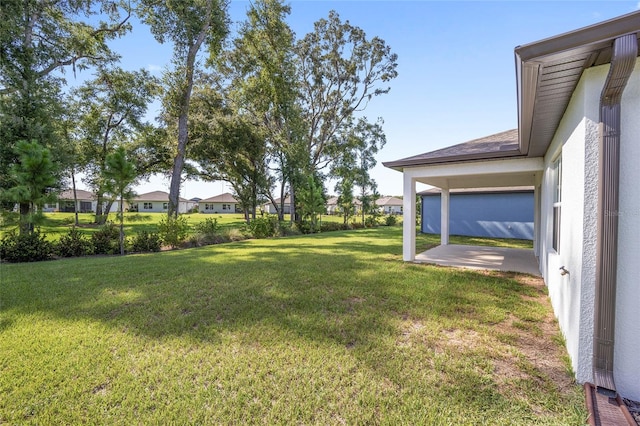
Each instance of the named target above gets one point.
<point>477,257</point>
<point>495,161</point>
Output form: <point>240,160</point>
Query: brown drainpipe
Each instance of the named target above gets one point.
<point>625,51</point>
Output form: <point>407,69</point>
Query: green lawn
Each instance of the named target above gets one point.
<point>324,329</point>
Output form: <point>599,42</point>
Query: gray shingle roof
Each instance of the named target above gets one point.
<point>503,144</point>
<point>222,198</point>
<point>389,201</point>
<point>67,194</point>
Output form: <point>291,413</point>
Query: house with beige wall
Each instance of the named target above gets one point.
<point>223,203</point>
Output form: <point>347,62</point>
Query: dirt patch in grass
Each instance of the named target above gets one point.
<point>537,349</point>
<point>526,353</point>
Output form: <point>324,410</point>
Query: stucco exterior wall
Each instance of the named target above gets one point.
<point>627,337</point>
<point>573,295</point>
<point>217,207</point>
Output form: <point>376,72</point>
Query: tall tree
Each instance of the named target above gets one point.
<point>120,175</point>
<point>188,24</point>
<point>35,178</point>
<point>312,201</point>
<point>341,70</point>
<point>343,170</point>
<point>111,109</point>
<point>38,40</point>
<point>359,143</point>
<point>228,147</point>
<point>263,87</point>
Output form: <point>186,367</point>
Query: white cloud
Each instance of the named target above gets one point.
<point>154,68</point>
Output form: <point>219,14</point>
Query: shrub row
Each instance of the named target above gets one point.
<point>33,247</point>
<point>173,232</point>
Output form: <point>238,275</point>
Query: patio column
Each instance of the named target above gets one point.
<point>409,219</point>
<point>444,217</point>
<point>536,220</point>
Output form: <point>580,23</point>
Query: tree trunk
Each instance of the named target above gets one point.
<point>280,210</point>
<point>121,225</point>
<point>183,121</point>
<point>26,225</point>
<point>292,204</point>
<point>100,199</point>
<point>107,210</point>
<point>75,197</point>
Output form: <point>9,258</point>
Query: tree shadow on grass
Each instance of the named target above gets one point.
<point>349,291</point>
<point>347,288</point>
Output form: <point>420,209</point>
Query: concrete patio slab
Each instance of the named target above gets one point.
<point>476,257</point>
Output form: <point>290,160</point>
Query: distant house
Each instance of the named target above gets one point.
<point>157,202</point>
<point>481,212</point>
<point>334,208</point>
<point>223,203</point>
<point>86,202</point>
<point>270,209</point>
<point>389,205</point>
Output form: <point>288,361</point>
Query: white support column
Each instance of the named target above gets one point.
<point>409,219</point>
<point>536,220</point>
<point>444,217</point>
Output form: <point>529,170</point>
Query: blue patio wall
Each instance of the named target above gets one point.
<point>499,215</point>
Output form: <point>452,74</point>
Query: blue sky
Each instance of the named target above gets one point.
<point>456,67</point>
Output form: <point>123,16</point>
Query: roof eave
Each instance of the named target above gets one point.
<point>399,165</point>
<point>531,57</point>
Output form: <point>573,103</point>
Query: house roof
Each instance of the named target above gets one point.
<point>222,198</point>
<point>389,201</point>
<point>503,144</point>
<point>155,196</point>
<point>67,194</point>
<point>497,190</point>
<point>287,200</point>
<point>333,201</point>
<point>547,73</point>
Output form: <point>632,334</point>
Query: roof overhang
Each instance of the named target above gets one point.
<point>548,71</point>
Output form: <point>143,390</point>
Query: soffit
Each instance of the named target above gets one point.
<point>548,72</point>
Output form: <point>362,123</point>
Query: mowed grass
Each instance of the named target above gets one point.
<point>323,329</point>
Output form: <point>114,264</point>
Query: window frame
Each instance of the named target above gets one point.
<point>556,215</point>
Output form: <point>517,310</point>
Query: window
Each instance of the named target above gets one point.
<point>557,201</point>
<point>165,206</point>
<point>206,206</point>
<point>148,206</point>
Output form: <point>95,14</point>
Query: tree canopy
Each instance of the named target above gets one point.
<point>272,114</point>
